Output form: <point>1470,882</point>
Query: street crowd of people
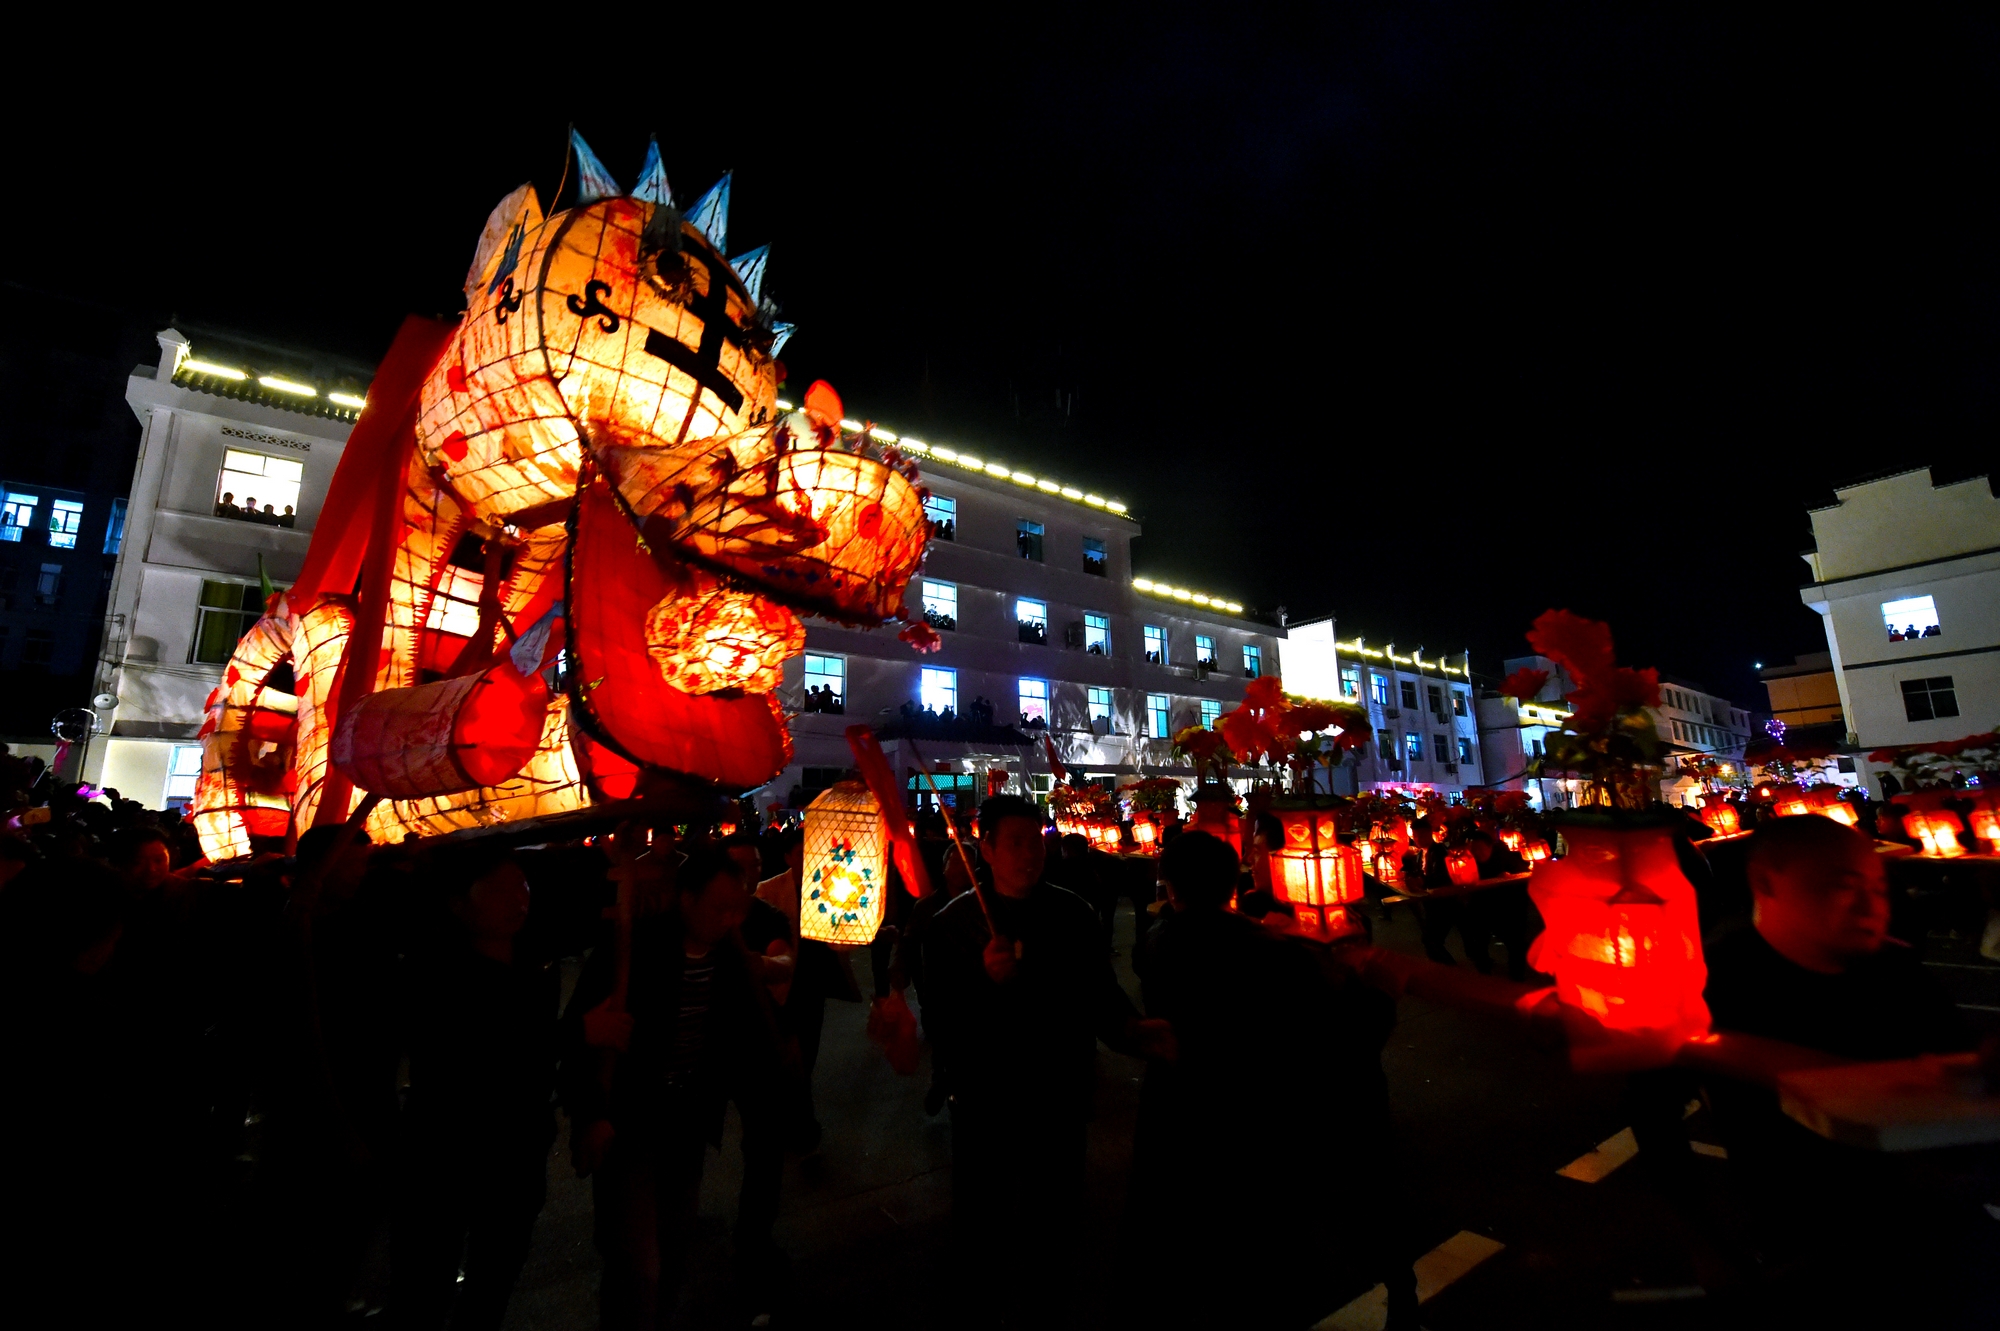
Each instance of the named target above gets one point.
<point>232,1081</point>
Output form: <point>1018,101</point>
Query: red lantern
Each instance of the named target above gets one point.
<point>1935,832</point>
<point>1462,866</point>
<point>1511,837</point>
<point>1314,872</point>
<point>1624,945</point>
<point>1145,834</point>
<point>1535,851</point>
<point>1985,822</point>
<point>1721,816</point>
<point>1367,850</point>
<point>1788,801</point>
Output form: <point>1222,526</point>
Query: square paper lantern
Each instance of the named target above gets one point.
<point>1462,866</point>
<point>846,866</point>
<point>1145,835</point>
<point>1314,872</point>
<point>1721,816</point>
<point>1535,850</point>
<point>1511,837</point>
<point>1985,822</point>
<point>1935,832</point>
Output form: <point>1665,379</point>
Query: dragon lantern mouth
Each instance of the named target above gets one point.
<point>824,530</point>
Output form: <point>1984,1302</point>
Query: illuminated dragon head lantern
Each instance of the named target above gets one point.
<point>589,469</point>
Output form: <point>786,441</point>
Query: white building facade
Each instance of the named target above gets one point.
<point>1426,726</point>
<point>219,418</point>
<point>1029,583</point>
<point>1906,580</point>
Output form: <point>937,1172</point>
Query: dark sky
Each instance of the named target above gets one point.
<point>1425,315</point>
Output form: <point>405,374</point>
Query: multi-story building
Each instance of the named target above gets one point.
<point>1806,695</point>
<point>1906,579</point>
<point>1426,727</point>
<point>1697,725</point>
<point>57,548</point>
<point>1047,634</point>
<point>1514,732</point>
<point>239,441</point>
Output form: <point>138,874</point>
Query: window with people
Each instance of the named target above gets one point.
<point>826,684</point>
<point>1911,617</point>
<point>1097,634</point>
<point>1031,619</point>
<point>941,605</point>
<point>942,514</point>
<point>256,488</point>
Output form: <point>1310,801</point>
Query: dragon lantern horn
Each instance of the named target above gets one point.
<point>750,267</point>
<point>781,333</point>
<point>593,181</point>
<point>506,226</point>
<point>652,186</point>
<point>710,213</point>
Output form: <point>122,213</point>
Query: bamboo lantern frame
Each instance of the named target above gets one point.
<point>1314,872</point>
<point>846,866</point>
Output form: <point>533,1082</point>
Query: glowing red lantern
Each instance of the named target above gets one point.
<point>1789,801</point>
<point>1985,822</point>
<point>1535,851</point>
<point>1721,816</point>
<point>1314,872</point>
<point>1624,945</point>
<point>1461,866</point>
<point>1145,834</point>
<point>1511,837</point>
<point>1935,831</point>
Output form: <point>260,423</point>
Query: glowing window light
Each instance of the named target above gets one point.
<point>274,383</point>
<point>211,368</point>
<point>347,400</point>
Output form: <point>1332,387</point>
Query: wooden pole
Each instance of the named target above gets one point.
<point>951,826</point>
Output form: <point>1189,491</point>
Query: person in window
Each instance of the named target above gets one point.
<point>226,508</point>
<point>249,508</point>
<point>270,516</point>
<point>287,518</point>
<point>1931,632</point>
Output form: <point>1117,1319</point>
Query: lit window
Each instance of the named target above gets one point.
<point>1458,704</point>
<point>1440,749</point>
<point>19,516</point>
<point>1032,620</point>
<point>1097,635</point>
<point>940,604</point>
<point>1035,701</point>
<point>1156,645</point>
<point>252,483</point>
<point>826,684</point>
<point>183,769</point>
<point>1378,689</point>
<point>1094,559</point>
<point>1464,751</point>
<point>1929,699</point>
<point>1350,681</point>
<point>65,521</point>
<point>228,610</point>
<point>1028,536</point>
<point>1910,617</point>
<point>938,689</point>
<point>1098,703</point>
<point>1156,716</point>
<point>1253,662</point>
<point>1211,712</point>
<point>1413,744</point>
<point>1204,650</point>
<point>943,515</point>
<point>114,533</point>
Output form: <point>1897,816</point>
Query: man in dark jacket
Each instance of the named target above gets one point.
<point>646,1078</point>
<point>1265,1033</point>
<point>1017,1011</point>
<point>481,1116</point>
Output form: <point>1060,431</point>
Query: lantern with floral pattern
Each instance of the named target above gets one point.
<point>846,866</point>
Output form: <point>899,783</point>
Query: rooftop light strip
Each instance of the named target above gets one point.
<point>347,400</point>
<point>997,470</point>
<point>1170,592</point>
<point>211,368</point>
<point>1356,649</point>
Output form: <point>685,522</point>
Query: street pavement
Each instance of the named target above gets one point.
<point>1529,1207</point>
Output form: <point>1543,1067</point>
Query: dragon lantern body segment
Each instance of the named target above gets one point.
<point>593,466</point>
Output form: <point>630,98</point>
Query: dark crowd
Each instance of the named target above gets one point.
<point>241,1089</point>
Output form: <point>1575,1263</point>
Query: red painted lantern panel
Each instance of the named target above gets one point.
<point>1313,871</point>
<point>1935,832</point>
<point>1462,866</point>
<point>1721,816</point>
<point>1624,945</point>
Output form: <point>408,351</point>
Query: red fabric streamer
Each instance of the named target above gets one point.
<point>881,779</point>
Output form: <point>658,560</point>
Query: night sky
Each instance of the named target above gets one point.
<point>1423,315</point>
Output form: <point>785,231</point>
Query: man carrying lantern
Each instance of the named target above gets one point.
<point>1017,1006</point>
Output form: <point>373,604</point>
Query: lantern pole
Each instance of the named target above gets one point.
<point>951,826</point>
